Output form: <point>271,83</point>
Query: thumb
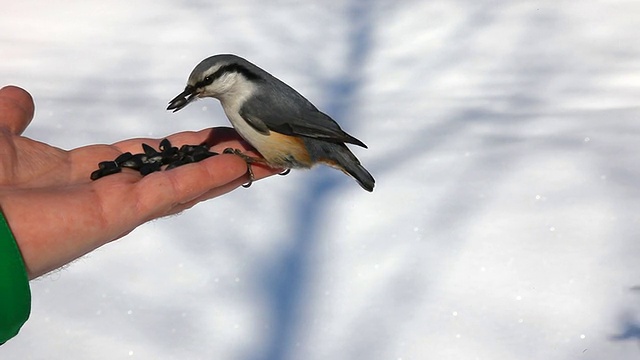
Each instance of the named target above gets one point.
<point>16,109</point>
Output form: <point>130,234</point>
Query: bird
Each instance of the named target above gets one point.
<point>281,124</point>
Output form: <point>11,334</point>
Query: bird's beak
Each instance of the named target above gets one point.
<point>188,95</point>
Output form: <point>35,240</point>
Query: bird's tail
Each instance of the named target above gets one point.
<point>342,158</point>
<point>362,176</point>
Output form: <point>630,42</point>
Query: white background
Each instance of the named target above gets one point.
<point>504,138</point>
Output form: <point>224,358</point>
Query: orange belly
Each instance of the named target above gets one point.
<point>283,150</point>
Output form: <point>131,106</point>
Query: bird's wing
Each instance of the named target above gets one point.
<point>300,118</point>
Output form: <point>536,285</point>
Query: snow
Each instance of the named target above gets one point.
<point>503,136</point>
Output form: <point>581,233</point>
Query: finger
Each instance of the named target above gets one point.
<point>183,187</point>
<point>17,108</point>
<point>162,192</point>
<point>221,190</point>
<point>258,171</point>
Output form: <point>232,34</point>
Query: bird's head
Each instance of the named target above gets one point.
<point>220,76</point>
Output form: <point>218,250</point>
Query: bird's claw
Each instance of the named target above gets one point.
<point>247,159</point>
<point>251,176</point>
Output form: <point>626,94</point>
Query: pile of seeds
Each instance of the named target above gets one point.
<point>152,160</point>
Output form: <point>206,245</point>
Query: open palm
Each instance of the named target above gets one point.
<point>58,214</point>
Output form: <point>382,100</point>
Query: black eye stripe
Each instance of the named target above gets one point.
<point>230,68</point>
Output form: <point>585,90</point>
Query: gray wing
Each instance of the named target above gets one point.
<point>293,115</point>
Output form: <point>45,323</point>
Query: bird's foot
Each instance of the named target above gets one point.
<point>249,160</point>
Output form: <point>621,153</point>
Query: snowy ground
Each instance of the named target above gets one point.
<point>504,138</point>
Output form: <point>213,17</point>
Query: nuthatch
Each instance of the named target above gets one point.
<point>283,126</point>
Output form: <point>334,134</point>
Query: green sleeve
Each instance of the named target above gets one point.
<point>15,295</point>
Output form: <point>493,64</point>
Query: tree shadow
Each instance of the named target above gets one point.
<point>285,283</point>
<point>629,326</point>
<point>630,331</point>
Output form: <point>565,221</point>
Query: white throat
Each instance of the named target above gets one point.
<point>232,99</point>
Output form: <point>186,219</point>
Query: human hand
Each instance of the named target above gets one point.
<point>58,214</point>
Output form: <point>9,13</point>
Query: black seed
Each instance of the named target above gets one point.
<point>123,157</point>
<point>110,171</point>
<point>185,149</point>
<point>135,162</point>
<point>170,153</point>
<point>147,169</point>
<point>188,159</point>
<point>140,158</point>
<point>149,150</point>
<point>104,172</point>
<point>154,159</point>
<point>131,164</point>
<point>175,164</point>
<point>200,150</point>
<point>201,156</point>
<point>165,144</point>
<point>96,174</point>
<point>107,165</point>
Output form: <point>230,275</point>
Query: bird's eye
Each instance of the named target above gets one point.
<point>208,80</point>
